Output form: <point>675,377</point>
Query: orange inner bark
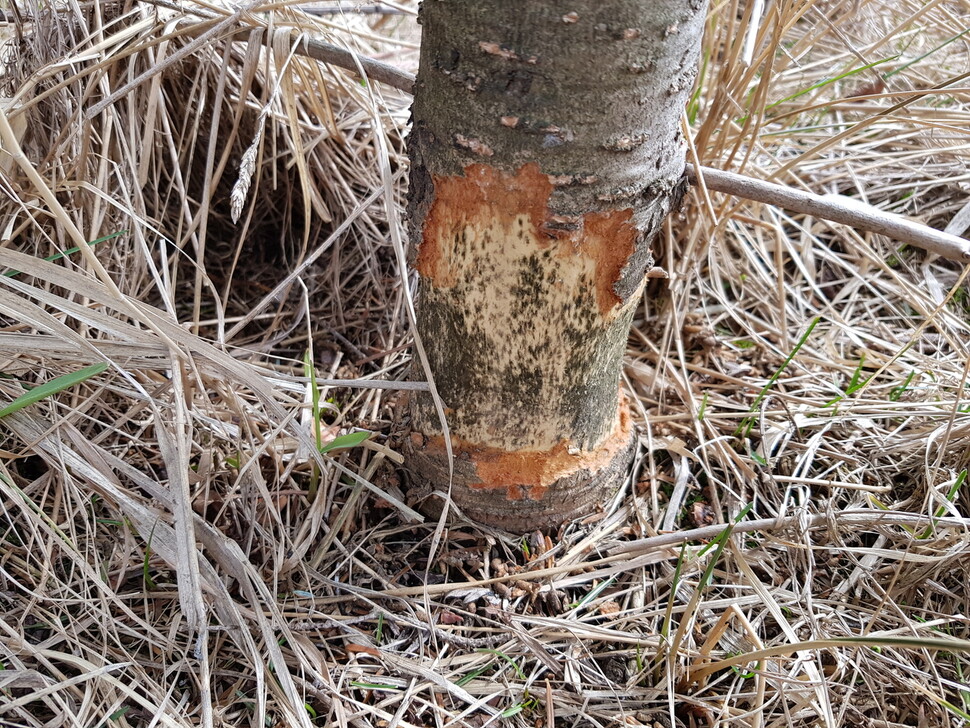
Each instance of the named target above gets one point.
<point>529,473</point>
<point>486,197</point>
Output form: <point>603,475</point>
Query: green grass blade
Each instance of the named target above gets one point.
<point>745,427</point>
<point>461,682</point>
<point>374,686</point>
<point>899,391</point>
<point>674,586</point>
<point>52,387</point>
<point>69,251</point>
<point>594,592</point>
<point>950,495</point>
<point>833,79</point>
<point>928,53</point>
<point>309,373</point>
<point>498,653</point>
<point>351,439</point>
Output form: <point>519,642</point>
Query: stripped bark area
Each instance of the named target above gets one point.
<point>545,152</point>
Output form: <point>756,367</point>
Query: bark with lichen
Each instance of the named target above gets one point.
<point>546,152</point>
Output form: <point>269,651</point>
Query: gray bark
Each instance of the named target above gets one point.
<point>545,154</point>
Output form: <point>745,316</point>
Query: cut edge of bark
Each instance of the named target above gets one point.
<point>524,490</point>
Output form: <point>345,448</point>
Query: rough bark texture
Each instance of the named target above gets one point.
<point>545,154</point>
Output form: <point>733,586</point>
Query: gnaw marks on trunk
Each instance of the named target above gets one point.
<point>545,154</point>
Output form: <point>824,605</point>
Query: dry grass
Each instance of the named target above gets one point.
<point>794,378</point>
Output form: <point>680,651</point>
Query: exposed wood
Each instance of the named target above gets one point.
<point>536,190</point>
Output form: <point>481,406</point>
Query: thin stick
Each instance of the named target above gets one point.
<point>836,208</point>
<point>319,51</point>
<point>375,70</point>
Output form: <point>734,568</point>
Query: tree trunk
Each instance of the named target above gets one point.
<point>545,153</point>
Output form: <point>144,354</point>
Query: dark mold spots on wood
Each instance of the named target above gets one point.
<point>492,207</point>
<point>522,296</point>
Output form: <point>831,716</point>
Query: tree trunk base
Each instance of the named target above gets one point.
<point>525,490</point>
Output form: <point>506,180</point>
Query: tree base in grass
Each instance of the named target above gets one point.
<point>525,490</point>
